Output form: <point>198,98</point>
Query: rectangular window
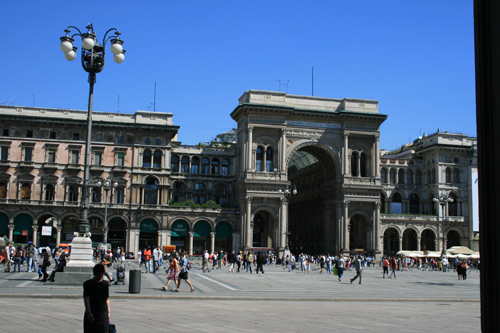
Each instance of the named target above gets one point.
<point>74,156</point>
<point>98,158</point>
<point>5,153</point>
<point>76,136</point>
<point>53,135</point>
<point>28,154</point>
<point>29,133</point>
<point>51,156</point>
<point>121,139</point>
<point>120,159</point>
<point>98,137</point>
<point>5,132</point>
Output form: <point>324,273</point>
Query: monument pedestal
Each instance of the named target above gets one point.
<point>79,265</point>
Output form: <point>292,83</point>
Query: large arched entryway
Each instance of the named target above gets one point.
<point>262,230</point>
<point>391,242</point>
<point>410,241</point>
<point>428,240</point>
<point>452,239</point>
<point>117,232</point>
<point>23,228</point>
<point>201,237</point>
<point>312,213</point>
<point>149,233</point>
<point>223,237</point>
<point>179,232</point>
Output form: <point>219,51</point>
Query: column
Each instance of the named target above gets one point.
<point>58,237</point>
<point>11,229</point>
<point>283,229</point>
<point>346,154</point>
<point>236,241</point>
<point>248,224</point>
<point>377,156</point>
<point>376,229</point>
<point>340,233</point>
<point>168,239</point>
<point>396,176</point>
<point>419,239</point>
<point>212,242</point>
<point>190,247</point>
<point>400,238</point>
<point>250,148</point>
<point>358,165</point>
<point>346,245</point>
<point>35,235</point>
<point>283,150</point>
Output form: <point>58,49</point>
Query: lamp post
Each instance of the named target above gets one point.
<point>107,186</point>
<point>287,193</point>
<point>93,56</point>
<point>443,200</point>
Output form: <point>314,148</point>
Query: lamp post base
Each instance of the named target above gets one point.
<point>81,252</point>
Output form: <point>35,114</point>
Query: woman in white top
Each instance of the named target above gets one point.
<point>340,266</point>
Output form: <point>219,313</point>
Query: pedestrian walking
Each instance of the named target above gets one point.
<point>385,267</point>
<point>261,260</point>
<point>340,266</point>
<point>45,264</point>
<point>394,266</point>
<point>173,272</point>
<point>183,275</point>
<point>358,265</point>
<point>249,262</point>
<point>231,259</point>
<point>7,258</point>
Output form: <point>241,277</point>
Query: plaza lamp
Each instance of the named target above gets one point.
<point>92,58</point>
<point>443,200</point>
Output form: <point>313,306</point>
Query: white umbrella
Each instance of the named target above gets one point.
<point>474,256</point>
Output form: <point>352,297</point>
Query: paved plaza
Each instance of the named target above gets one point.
<point>277,301</point>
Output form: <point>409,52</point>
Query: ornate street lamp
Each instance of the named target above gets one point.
<point>93,56</point>
<point>287,193</point>
<point>107,186</point>
<point>443,200</point>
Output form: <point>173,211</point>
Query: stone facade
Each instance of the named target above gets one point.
<point>231,193</point>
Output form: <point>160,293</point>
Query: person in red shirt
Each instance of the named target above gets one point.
<point>385,265</point>
<point>147,259</point>
<point>394,266</point>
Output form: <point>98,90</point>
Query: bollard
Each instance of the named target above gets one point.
<point>134,283</point>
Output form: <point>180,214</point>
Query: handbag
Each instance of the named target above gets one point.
<point>112,328</point>
<point>335,271</point>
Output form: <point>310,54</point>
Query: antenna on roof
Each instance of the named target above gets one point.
<point>154,107</point>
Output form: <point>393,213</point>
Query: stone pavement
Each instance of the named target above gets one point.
<point>275,301</point>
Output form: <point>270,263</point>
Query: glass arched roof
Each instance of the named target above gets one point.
<point>300,160</point>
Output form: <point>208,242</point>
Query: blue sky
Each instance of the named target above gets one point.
<point>415,57</point>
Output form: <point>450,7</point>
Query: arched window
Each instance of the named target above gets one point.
<point>49,192</point>
<point>157,159</point>
<point>158,142</point>
<point>119,194</point>
<point>456,176</point>
<point>383,176</point>
<point>174,163</point>
<point>26,191</point>
<point>409,177</point>
<point>269,159</point>
<point>179,192</point>
<point>453,206</point>
<point>146,159</point>
<point>401,176</point>
<point>3,190</point>
<point>414,204</point>
<point>205,166</point>
<point>448,175</point>
<point>362,165</point>
<point>392,176</point>
<point>73,193</point>
<point>199,193</point>
<point>418,177</point>
<point>185,164</point>
<point>96,194</point>
<point>195,165</point>
<point>354,164</point>
<point>224,167</point>
<point>220,194</point>
<point>397,204</point>
<point>259,160</point>
<point>215,166</point>
<point>151,191</point>
<point>147,141</point>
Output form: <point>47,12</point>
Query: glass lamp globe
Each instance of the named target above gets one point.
<point>70,56</point>
<point>66,46</point>
<point>116,48</point>
<point>119,58</point>
<point>88,43</point>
